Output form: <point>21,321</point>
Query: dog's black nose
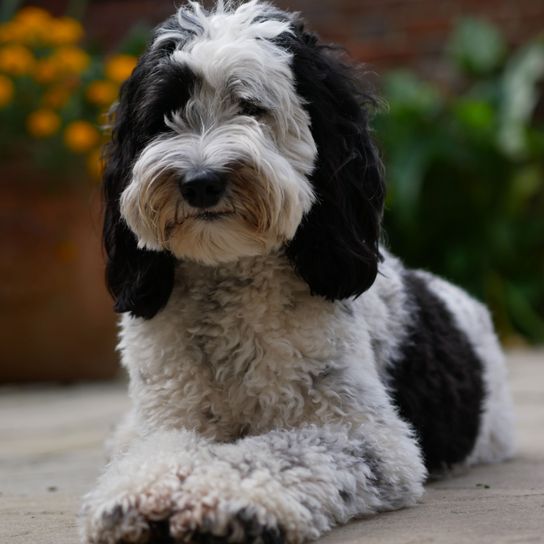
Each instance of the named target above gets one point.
<point>203,189</point>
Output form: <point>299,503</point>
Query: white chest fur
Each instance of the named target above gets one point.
<point>245,348</point>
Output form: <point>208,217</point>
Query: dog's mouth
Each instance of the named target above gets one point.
<point>207,216</point>
<point>210,216</point>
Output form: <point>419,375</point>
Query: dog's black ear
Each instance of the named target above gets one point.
<point>140,281</point>
<point>336,247</point>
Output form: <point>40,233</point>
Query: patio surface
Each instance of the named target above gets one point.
<point>51,452</point>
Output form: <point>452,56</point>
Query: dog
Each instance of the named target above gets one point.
<point>287,373</point>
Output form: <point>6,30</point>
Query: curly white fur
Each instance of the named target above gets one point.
<point>243,352</point>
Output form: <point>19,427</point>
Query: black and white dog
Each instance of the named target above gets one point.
<point>287,373</point>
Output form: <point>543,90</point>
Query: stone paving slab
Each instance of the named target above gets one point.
<point>51,452</point>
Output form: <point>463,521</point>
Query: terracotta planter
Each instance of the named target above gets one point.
<point>56,318</point>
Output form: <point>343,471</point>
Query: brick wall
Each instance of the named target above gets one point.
<point>383,33</point>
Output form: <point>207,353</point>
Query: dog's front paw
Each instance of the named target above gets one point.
<point>166,514</point>
<point>131,517</point>
<point>214,522</point>
<point>176,488</point>
<point>158,520</point>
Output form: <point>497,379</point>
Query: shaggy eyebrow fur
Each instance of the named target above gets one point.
<point>170,90</point>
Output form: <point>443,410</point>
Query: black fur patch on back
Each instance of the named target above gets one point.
<point>437,385</point>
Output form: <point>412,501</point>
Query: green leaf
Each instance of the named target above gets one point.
<point>8,9</point>
<point>475,115</point>
<point>526,184</point>
<point>404,90</point>
<point>520,95</point>
<point>405,174</point>
<point>524,314</point>
<point>477,46</point>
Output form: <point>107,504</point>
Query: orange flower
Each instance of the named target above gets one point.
<point>102,92</point>
<point>119,67</point>
<point>16,59</point>
<point>9,32</point>
<point>32,24</point>
<point>65,31</point>
<point>69,59</point>
<point>81,136</point>
<point>6,91</point>
<point>42,123</point>
<point>33,16</point>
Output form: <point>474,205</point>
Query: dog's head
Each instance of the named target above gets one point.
<point>238,134</point>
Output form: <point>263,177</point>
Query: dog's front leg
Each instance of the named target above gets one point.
<point>141,487</point>
<point>283,486</point>
<point>294,485</point>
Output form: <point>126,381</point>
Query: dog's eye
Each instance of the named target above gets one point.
<point>251,108</point>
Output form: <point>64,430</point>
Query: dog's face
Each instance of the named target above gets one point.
<point>238,134</point>
<point>226,174</point>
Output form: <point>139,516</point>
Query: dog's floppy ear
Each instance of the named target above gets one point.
<point>335,249</point>
<point>140,281</point>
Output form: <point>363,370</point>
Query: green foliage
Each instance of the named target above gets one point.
<point>477,46</point>
<point>8,8</point>
<point>466,175</point>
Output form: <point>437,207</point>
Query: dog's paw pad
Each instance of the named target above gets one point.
<point>159,532</point>
<point>210,524</point>
<point>122,525</point>
<point>246,527</point>
<point>136,519</point>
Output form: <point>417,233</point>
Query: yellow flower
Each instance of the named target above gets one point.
<point>42,123</point>
<point>6,91</point>
<point>102,92</point>
<point>95,165</point>
<point>65,31</point>
<point>31,24</point>
<point>34,25</point>
<point>69,59</point>
<point>81,136</point>
<point>32,16</point>
<point>119,67</point>
<point>56,97</point>
<point>16,59</point>
<point>8,32</point>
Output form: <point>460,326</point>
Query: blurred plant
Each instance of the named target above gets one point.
<point>466,174</point>
<point>54,93</point>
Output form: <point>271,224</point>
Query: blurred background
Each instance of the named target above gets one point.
<point>461,130</point>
